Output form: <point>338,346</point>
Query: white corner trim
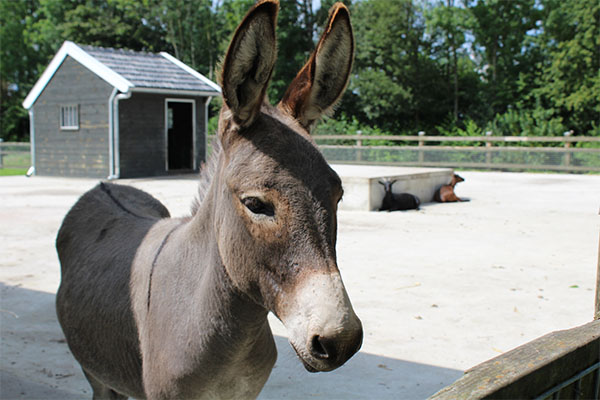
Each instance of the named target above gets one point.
<point>71,49</point>
<point>191,71</point>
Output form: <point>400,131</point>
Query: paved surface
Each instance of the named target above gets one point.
<point>438,290</point>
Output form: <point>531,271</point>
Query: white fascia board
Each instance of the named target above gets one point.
<point>176,92</point>
<point>191,71</point>
<point>77,53</point>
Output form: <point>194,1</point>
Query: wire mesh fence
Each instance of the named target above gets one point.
<point>15,155</point>
<point>492,153</point>
<point>573,154</point>
<point>504,158</point>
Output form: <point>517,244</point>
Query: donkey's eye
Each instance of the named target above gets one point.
<point>257,206</point>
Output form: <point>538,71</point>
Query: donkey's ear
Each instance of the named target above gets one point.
<point>249,62</point>
<point>322,81</point>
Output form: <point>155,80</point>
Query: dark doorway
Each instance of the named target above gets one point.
<point>180,135</point>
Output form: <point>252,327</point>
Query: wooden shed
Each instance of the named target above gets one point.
<point>106,113</point>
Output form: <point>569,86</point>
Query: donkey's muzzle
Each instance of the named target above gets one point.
<point>330,352</point>
<point>322,326</point>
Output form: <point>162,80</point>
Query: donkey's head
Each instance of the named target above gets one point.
<point>276,196</point>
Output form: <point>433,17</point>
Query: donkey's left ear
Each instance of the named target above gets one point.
<point>322,81</point>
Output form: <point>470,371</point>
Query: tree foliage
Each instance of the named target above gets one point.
<point>444,66</point>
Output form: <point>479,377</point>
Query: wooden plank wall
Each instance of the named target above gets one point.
<point>81,152</point>
<point>142,134</point>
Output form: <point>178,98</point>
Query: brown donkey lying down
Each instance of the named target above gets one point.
<point>159,307</point>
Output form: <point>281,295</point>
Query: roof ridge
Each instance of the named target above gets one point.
<point>120,50</point>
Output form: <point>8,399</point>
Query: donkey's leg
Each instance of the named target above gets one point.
<point>102,391</point>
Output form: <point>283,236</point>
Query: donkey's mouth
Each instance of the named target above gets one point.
<point>307,366</point>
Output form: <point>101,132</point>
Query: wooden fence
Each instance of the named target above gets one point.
<point>560,365</point>
<point>473,152</point>
<point>480,152</point>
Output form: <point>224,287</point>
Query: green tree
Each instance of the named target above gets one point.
<point>501,32</point>
<point>448,24</point>
<point>194,30</point>
<point>569,79</point>
<point>396,83</point>
<point>19,61</point>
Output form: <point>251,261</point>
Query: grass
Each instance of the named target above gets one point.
<point>12,171</point>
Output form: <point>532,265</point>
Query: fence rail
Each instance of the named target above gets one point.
<point>497,152</point>
<point>560,365</point>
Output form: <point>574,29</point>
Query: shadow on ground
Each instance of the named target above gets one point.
<point>36,363</point>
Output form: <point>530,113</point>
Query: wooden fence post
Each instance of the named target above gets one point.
<point>597,305</point>
<point>421,145</point>
<point>488,145</point>
<point>567,146</point>
<point>359,144</point>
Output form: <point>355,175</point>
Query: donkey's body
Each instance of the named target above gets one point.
<point>158,307</point>
<point>103,232</point>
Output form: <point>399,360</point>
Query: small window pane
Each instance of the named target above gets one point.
<point>69,117</point>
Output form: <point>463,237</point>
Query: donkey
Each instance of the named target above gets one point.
<point>397,201</point>
<point>158,307</point>
<point>445,194</point>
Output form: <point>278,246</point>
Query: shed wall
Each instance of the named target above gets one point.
<point>142,138</point>
<point>81,152</point>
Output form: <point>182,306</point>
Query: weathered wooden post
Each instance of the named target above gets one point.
<point>359,147</point>
<point>421,145</point>
<point>567,134</point>
<point>488,145</point>
<point>597,305</point>
<point>1,154</point>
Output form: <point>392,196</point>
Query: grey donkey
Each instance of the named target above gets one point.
<point>158,307</point>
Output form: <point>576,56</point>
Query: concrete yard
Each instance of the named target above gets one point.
<point>438,290</point>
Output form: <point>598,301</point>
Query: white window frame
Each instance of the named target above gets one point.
<point>69,117</point>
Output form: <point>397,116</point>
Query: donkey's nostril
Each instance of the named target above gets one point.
<point>322,348</point>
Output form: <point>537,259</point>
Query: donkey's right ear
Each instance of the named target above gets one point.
<point>323,79</point>
<point>249,62</point>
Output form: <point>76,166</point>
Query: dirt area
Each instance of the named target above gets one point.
<point>438,290</point>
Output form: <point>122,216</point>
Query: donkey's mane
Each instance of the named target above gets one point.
<point>207,172</point>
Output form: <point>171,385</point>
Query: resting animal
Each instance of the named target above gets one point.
<point>397,201</point>
<point>445,194</point>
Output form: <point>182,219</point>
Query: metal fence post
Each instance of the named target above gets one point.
<point>567,146</point>
<point>421,145</point>
<point>1,154</point>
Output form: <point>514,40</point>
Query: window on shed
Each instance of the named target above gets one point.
<point>69,116</point>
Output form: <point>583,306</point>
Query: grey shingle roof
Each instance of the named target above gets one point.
<point>148,70</point>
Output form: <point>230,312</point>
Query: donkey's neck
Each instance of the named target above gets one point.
<point>209,329</point>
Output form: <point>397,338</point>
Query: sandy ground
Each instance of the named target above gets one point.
<point>438,290</point>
